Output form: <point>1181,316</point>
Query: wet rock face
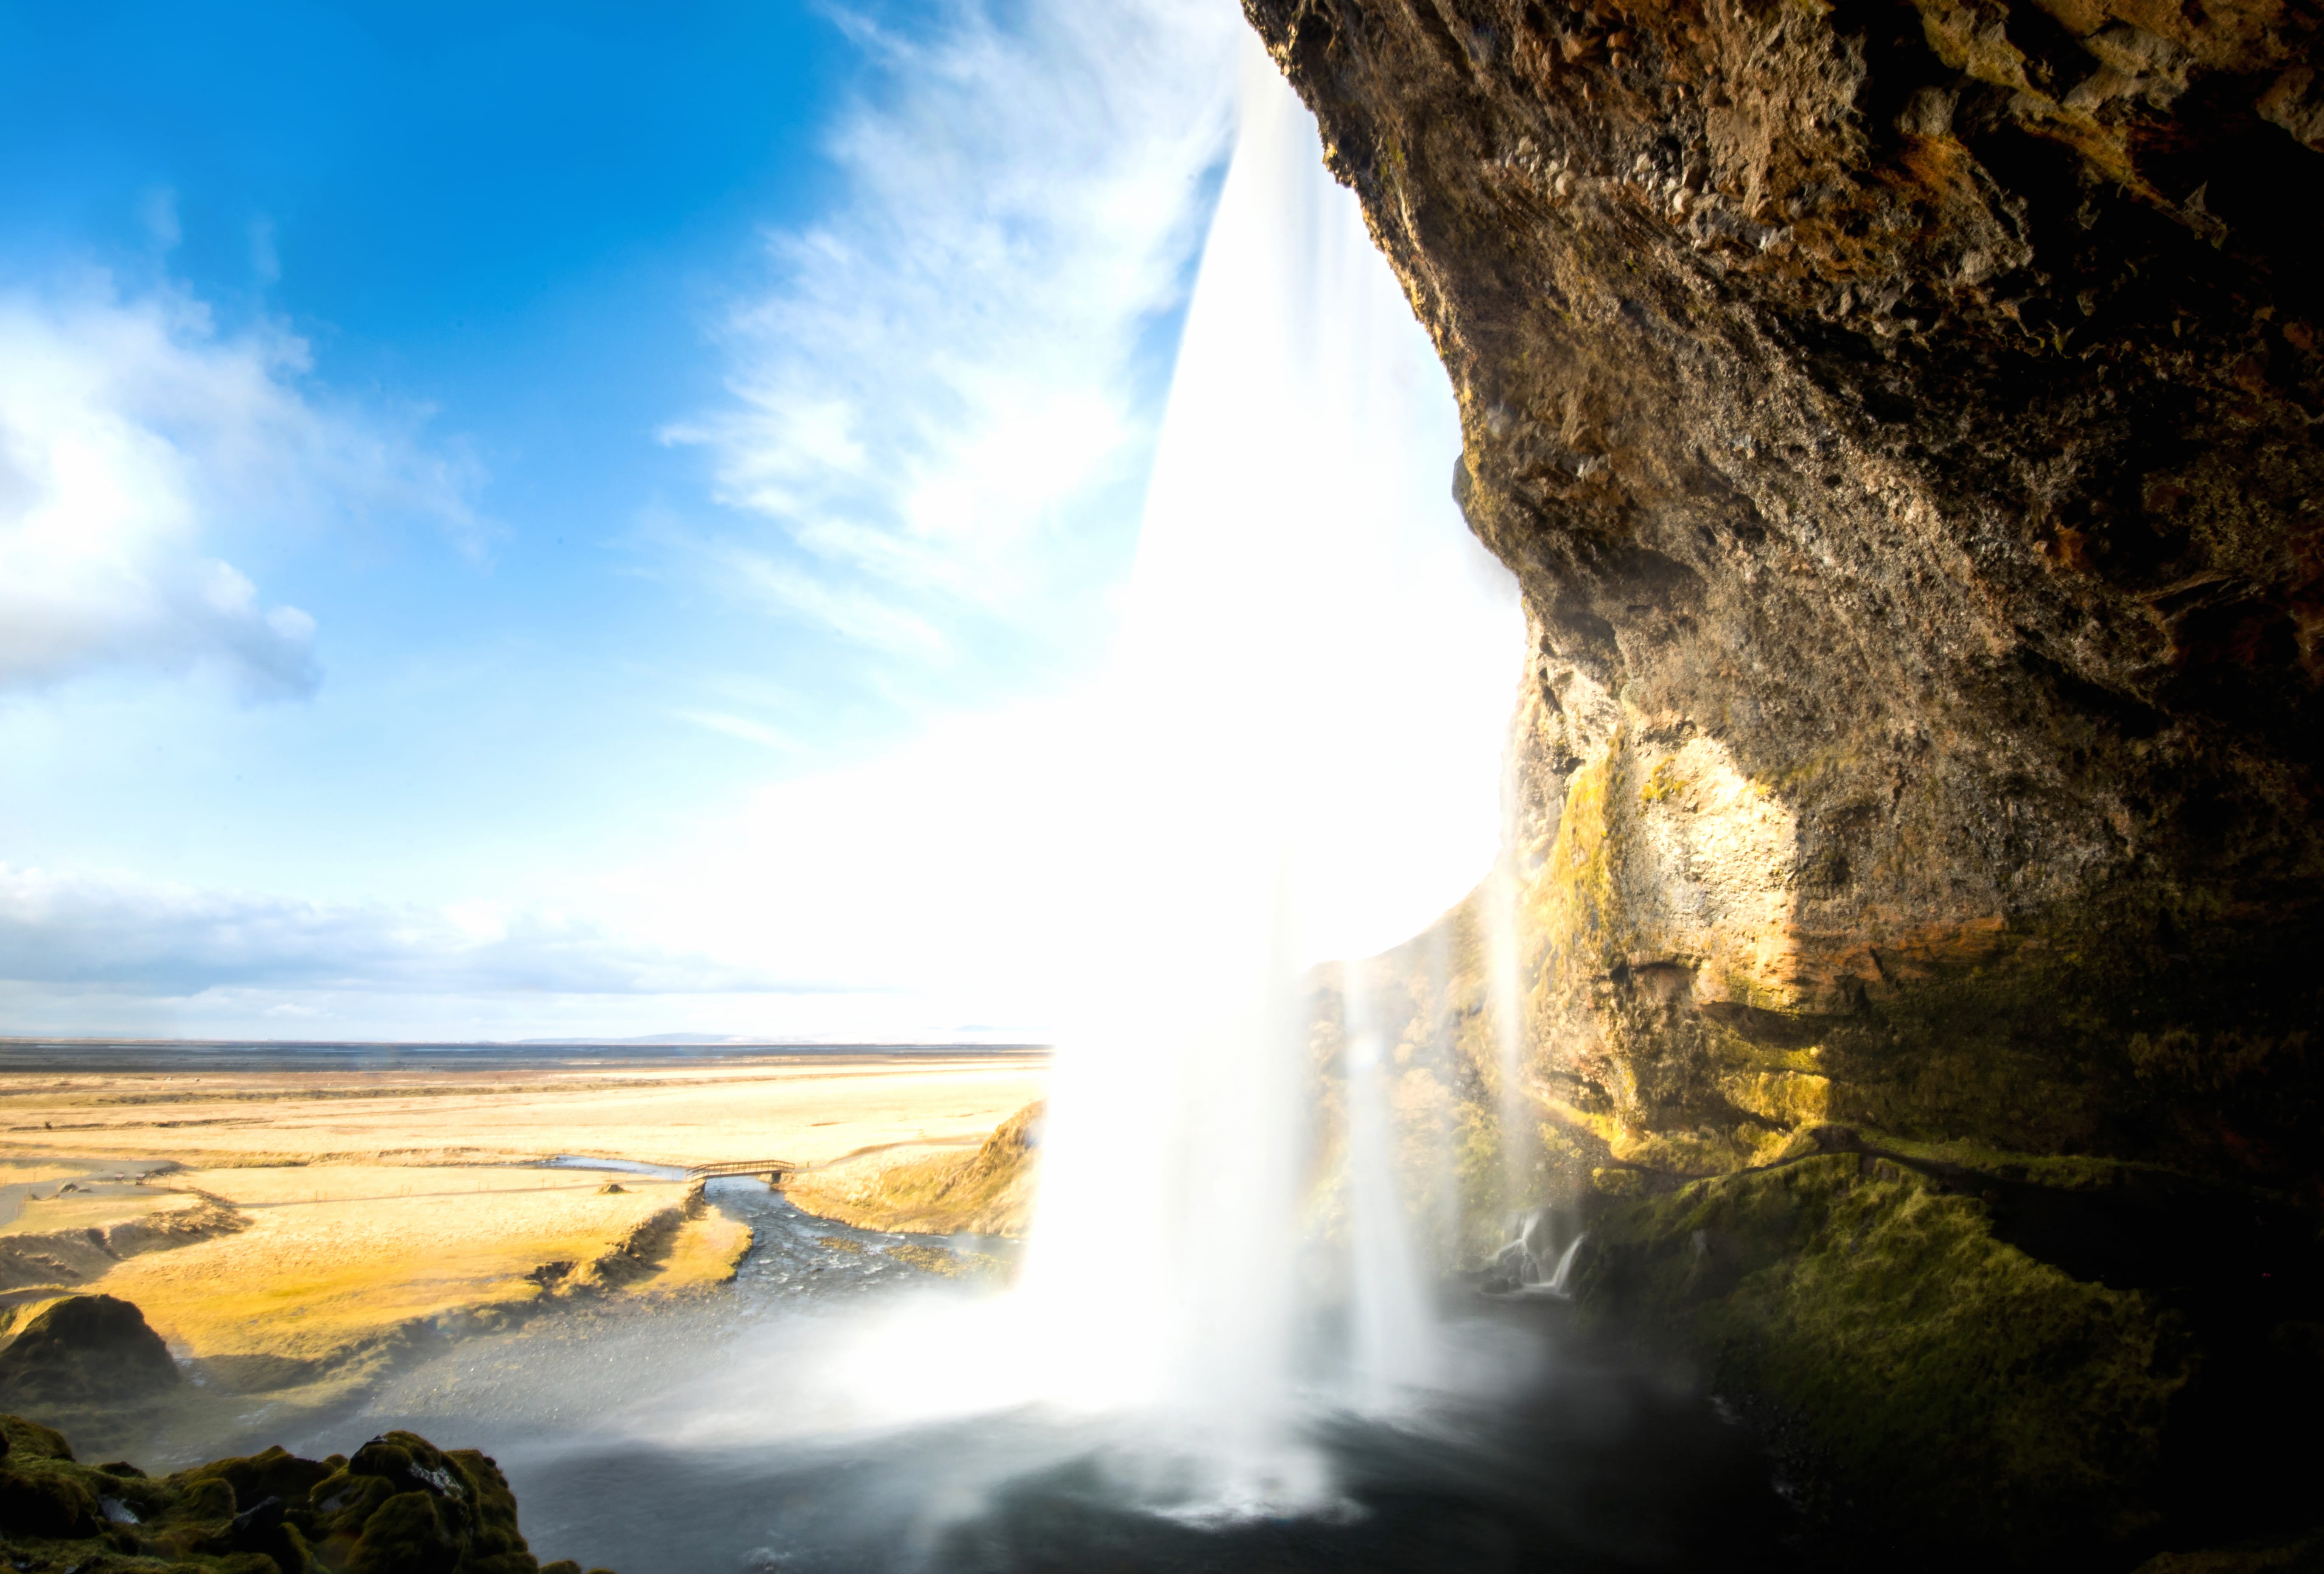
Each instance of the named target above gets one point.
<point>1899,416</point>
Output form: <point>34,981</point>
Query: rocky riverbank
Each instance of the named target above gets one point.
<point>989,1191</point>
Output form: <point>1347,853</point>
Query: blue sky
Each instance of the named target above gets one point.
<point>458,461</point>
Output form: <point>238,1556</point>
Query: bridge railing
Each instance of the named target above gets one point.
<point>769,1167</point>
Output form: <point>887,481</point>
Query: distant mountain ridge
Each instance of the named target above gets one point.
<point>675,1038</point>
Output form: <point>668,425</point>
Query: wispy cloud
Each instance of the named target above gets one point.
<point>862,615</point>
<point>134,438</point>
<point>737,727</point>
<point>140,937</point>
<point>938,404</point>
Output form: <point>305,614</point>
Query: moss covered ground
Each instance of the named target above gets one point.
<point>398,1506</point>
<point>1969,1352</point>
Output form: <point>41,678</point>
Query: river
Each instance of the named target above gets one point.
<point>725,1430</point>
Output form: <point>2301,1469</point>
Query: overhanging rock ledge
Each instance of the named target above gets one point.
<point>1901,418</point>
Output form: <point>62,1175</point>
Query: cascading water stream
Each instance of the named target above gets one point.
<point>1303,742</point>
<point>1504,974</point>
<point>1299,753</point>
<point>1392,1347</point>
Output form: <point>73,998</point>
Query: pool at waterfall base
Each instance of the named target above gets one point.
<point>701,1435</point>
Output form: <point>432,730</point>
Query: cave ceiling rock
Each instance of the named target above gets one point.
<point>1899,415</point>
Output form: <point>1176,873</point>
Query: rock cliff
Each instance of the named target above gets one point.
<point>1900,416</point>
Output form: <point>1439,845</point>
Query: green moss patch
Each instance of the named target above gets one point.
<point>401,1505</point>
<point>1944,1378</point>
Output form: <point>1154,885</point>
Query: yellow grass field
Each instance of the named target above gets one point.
<point>811,1110</point>
<point>381,1207</point>
<point>51,1216</point>
<point>339,1257</point>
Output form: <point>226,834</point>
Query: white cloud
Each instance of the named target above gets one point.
<point>135,438</point>
<point>142,937</point>
<point>104,955</point>
<point>938,403</point>
<point>906,896</point>
<point>867,619</point>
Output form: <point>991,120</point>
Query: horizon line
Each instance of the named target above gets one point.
<point>14,1041</point>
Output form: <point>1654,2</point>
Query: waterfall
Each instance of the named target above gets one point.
<point>1532,1263</point>
<point>1505,994</point>
<point>1393,1345</point>
<point>1302,750</point>
<point>1297,760</point>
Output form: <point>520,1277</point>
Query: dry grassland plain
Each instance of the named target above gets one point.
<point>323,1220</point>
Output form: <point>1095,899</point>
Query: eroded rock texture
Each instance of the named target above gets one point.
<point>1900,417</point>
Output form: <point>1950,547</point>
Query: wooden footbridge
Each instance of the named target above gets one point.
<point>776,1171</point>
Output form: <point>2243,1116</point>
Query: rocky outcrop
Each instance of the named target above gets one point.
<point>1900,416</point>
<point>988,1192</point>
<point>401,1505</point>
<point>85,1349</point>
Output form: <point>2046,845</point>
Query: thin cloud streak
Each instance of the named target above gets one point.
<point>738,727</point>
<point>863,617</point>
<point>80,932</point>
<point>938,405</point>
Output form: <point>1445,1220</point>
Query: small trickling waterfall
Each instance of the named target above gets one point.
<point>1534,1261</point>
<point>1303,751</point>
<point>1504,973</point>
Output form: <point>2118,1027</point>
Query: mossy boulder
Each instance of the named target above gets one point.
<point>44,1504</point>
<point>407,1533</point>
<point>399,1506</point>
<point>275,1473</point>
<point>85,1349</point>
<point>29,1440</point>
